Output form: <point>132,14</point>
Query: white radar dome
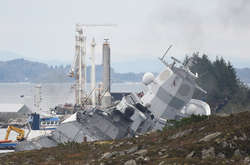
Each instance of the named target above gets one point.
<point>148,78</point>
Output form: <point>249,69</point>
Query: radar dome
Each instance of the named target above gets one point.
<point>148,78</point>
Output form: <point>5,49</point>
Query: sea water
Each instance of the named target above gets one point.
<point>52,94</point>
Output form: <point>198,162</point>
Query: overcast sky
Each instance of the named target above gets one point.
<point>44,29</point>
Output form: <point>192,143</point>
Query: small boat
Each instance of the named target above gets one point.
<point>43,123</point>
<point>8,145</point>
<point>49,123</point>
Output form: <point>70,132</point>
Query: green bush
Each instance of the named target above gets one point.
<point>185,121</point>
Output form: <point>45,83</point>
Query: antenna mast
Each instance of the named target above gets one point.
<point>162,58</point>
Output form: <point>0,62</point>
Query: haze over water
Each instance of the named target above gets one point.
<point>52,93</point>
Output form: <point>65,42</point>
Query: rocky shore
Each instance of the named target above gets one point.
<point>214,140</point>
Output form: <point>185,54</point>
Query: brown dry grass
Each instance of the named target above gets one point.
<point>174,152</point>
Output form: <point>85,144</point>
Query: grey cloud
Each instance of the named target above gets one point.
<point>234,13</point>
<point>45,29</point>
<point>184,20</point>
<point>196,23</point>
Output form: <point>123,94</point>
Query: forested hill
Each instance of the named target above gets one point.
<point>20,70</point>
<point>225,91</point>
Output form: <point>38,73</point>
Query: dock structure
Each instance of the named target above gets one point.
<point>13,111</point>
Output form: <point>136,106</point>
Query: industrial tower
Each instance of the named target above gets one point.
<point>79,67</point>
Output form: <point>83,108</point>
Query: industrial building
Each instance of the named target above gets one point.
<point>13,111</point>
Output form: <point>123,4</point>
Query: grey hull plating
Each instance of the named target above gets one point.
<point>93,125</point>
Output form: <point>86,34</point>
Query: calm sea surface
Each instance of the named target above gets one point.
<point>52,93</point>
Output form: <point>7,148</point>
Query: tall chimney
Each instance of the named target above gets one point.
<point>106,100</point>
<point>106,65</point>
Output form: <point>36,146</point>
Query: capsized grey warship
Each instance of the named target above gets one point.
<point>169,96</point>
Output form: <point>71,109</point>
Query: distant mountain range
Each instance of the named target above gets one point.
<point>135,65</point>
<point>21,70</point>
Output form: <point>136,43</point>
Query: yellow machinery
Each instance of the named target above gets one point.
<point>20,137</point>
<point>104,142</point>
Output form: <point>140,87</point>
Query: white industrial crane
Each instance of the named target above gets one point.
<point>93,80</point>
<point>79,68</point>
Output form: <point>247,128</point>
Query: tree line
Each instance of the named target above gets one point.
<point>225,92</point>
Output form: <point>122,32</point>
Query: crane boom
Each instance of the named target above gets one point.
<point>20,132</point>
<point>97,25</point>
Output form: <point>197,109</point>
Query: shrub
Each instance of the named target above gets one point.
<point>185,121</point>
